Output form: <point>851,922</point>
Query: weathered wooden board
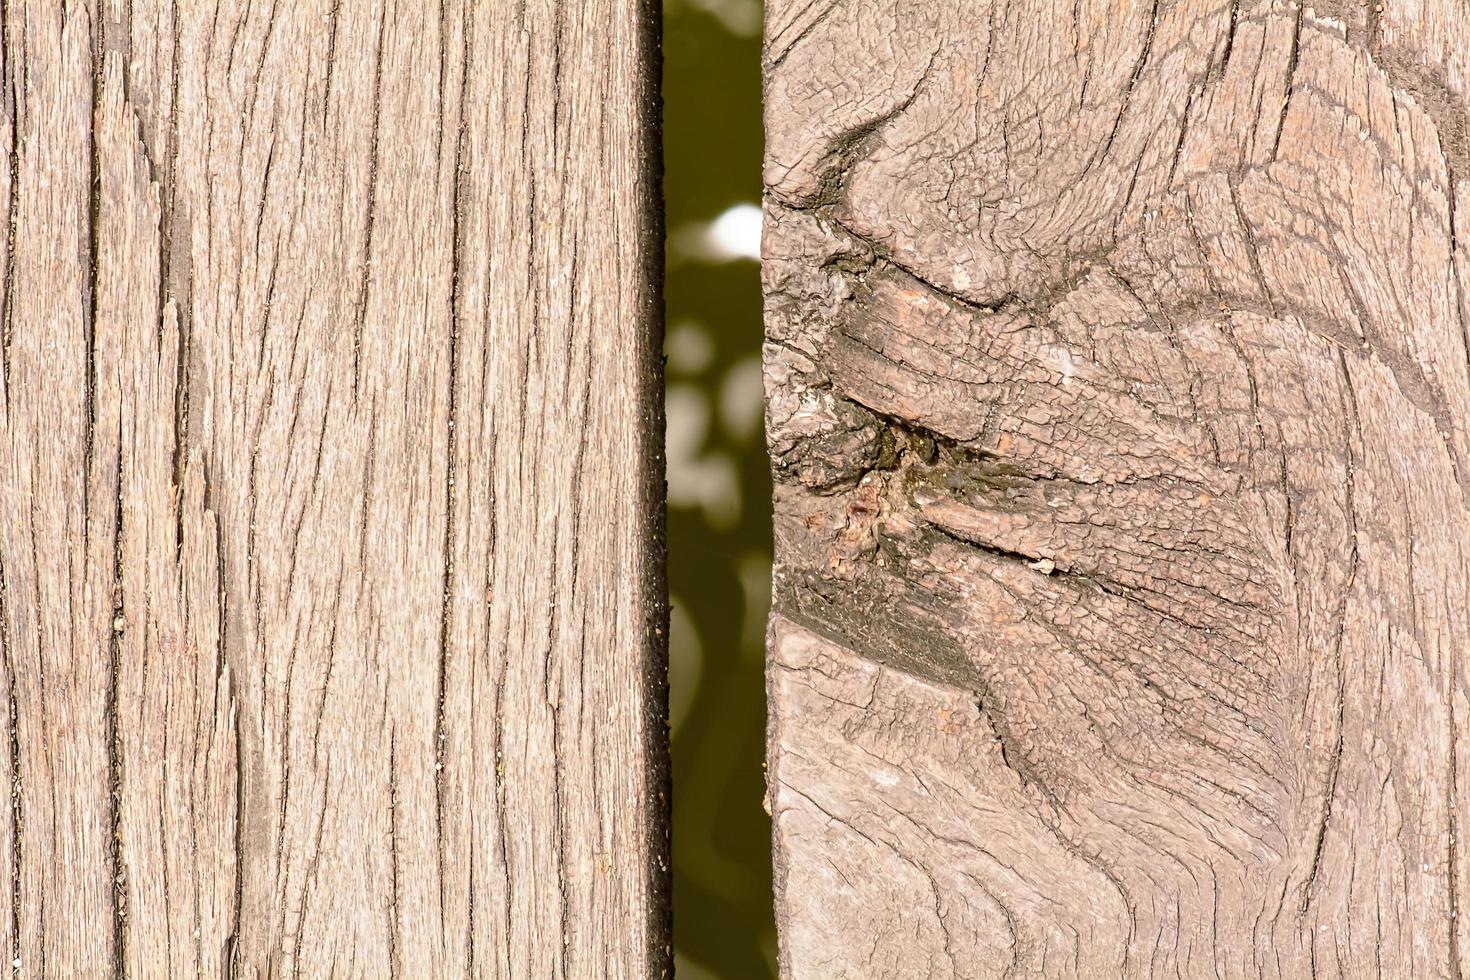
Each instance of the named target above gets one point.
<point>330,490</point>
<point>1120,418</point>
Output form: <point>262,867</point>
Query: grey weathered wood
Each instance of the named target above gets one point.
<point>1120,415</point>
<point>330,580</point>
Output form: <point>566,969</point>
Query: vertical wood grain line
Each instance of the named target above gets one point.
<point>13,782</point>
<point>12,104</point>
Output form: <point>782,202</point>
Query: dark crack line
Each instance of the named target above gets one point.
<point>852,144</point>
<point>370,221</point>
<point>1334,765</point>
<point>1133,79</point>
<point>17,802</point>
<point>451,459</point>
<point>7,314</point>
<point>1292,61</point>
<point>89,272</point>
<point>115,627</point>
<point>395,955</point>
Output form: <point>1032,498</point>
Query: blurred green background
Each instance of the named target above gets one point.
<point>719,490</point>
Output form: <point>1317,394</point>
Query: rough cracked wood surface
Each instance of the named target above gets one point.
<point>1120,416</point>
<point>328,576</point>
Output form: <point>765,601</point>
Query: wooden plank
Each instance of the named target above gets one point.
<point>330,472</point>
<point>1120,416</point>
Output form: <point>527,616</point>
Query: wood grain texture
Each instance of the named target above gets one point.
<point>1120,415</point>
<point>330,490</point>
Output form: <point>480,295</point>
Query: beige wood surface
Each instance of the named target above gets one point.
<point>330,490</point>
<point>1120,414</point>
